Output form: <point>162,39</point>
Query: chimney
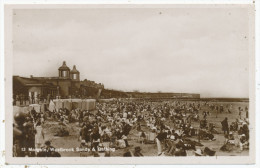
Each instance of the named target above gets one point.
<point>31,76</point>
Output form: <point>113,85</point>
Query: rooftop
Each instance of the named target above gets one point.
<point>30,81</point>
<point>64,66</point>
<point>74,70</point>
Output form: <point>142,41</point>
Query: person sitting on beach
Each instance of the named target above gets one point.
<point>127,153</point>
<point>243,142</point>
<point>180,151</point>
<point>137,152</point>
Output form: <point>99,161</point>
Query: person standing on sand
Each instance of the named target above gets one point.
<point>240,112</point>
<point>95,139</point>
<point>39,137</point>
<point>225,128</point>
<point>246,109</point>
<point>159,139</point>
<point>83,134</point>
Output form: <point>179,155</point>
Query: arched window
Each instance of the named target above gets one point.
<point>64,73</point>
<point>74,76</point>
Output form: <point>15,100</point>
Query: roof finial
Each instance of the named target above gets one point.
<point>64,62</point>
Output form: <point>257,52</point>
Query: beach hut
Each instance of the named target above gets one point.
<point>51,106</point>
<point>90,104</point>
<point>58,104</point>
<point>36,107</point>
<point>84,105</point>
<point>68,105</point>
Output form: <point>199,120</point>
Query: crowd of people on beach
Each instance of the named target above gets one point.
<point>178,128</point>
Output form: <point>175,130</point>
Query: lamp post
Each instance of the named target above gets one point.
<point>58,92</point>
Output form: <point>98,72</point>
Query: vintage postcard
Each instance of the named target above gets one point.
<point>130,84</point>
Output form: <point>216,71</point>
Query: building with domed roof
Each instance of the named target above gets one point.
<point>66,85</point>
<point>74,74</point>
<point>64,71</point>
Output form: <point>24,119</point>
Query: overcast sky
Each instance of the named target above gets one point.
<point>188,50</point>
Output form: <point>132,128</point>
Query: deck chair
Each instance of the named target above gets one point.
<point>150,137</point>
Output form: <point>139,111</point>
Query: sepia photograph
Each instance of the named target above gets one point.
<point>171,82</point>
